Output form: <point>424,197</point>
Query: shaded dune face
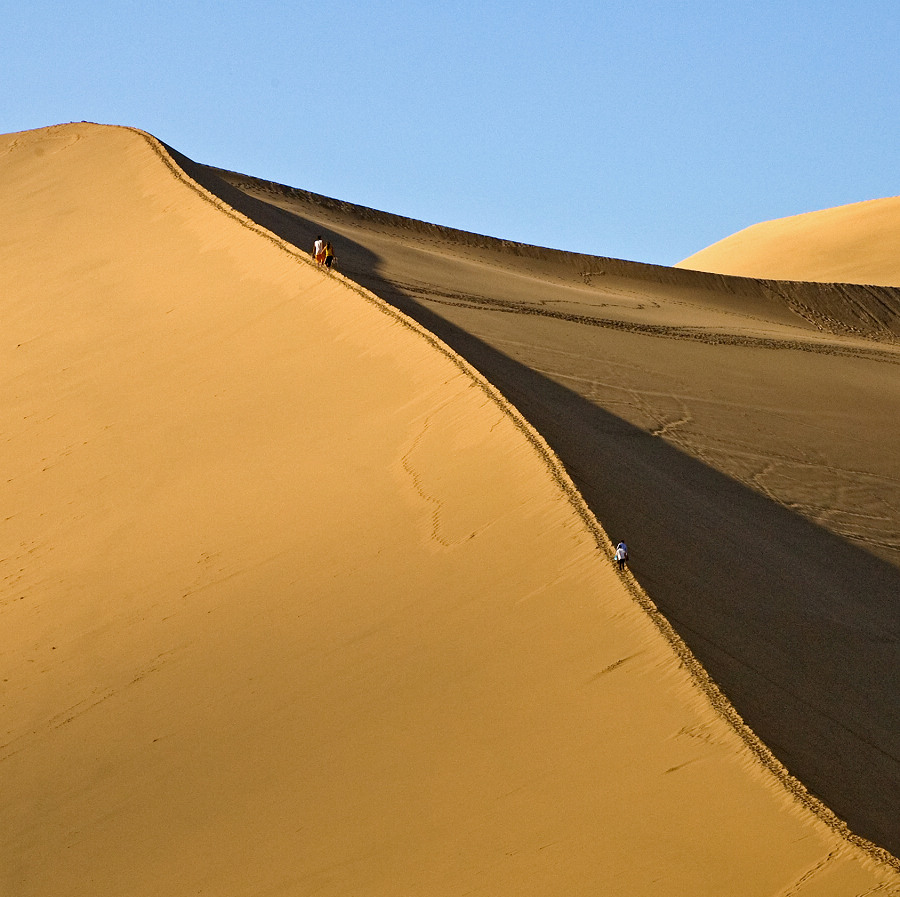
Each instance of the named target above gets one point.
<point>856,243</point>
<point>295,601</point>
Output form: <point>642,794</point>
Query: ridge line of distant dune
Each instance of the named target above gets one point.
<point>182,168</point>
<point>862,310</point>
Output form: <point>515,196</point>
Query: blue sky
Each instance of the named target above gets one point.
<point>642,130</point>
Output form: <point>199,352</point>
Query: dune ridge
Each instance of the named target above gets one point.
<point>740,431</point>
<point>214,799</point>
<point>555,468</point>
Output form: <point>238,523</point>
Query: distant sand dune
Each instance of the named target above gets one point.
<point>295,601</point>
<point>855,243</point>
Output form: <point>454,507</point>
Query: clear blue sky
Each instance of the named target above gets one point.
<point>641,130</point>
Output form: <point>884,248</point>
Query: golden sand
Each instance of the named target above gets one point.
<point>295,601</point>
<point>856,243</point>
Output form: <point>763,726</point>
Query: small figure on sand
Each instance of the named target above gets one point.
<point>329,254</point>
<point>319,250</point>
<point>621,555</point>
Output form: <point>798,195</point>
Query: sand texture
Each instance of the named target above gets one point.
<point>302,584</point>
<point>856,243</point>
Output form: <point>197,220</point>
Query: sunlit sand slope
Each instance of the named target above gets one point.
<point>293,602</point>
<point>741,433</point>
<point>855,243</point>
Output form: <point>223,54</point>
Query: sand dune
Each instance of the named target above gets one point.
<point>856,243</point>
<point>295,601</point>
<point>741,432</point>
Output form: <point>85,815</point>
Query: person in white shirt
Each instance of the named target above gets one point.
<point>621,554</point>
<point>319,250</point>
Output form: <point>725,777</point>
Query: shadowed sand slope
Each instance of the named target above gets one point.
<point>855,243</point>
<point>740,433</point>
<point>295,602</point>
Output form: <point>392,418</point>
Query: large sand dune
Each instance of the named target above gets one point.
<point>741,433</point>
<point>294,601</point>
<point>856,243</point>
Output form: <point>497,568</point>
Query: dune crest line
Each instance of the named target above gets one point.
<point>553,464</point>
<point>777,402</point>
